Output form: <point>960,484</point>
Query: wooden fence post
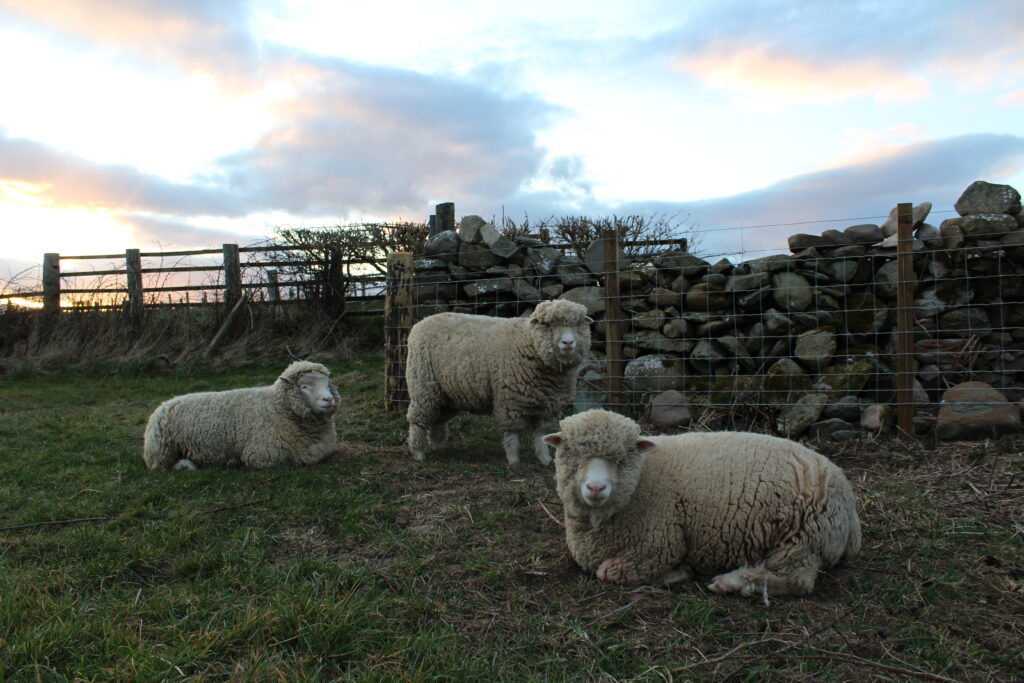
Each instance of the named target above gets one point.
<point>133,274</point>
<point>445,216</point>
<point>275,292</point>
<point>904,320</point>
<point>232,275</point>
<point>612,316</point>
<point>398,318</point>
<point>51,283</point>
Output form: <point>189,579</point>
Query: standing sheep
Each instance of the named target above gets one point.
<point>758,513</point>
<point>521,370</point>
<point>289,422</point>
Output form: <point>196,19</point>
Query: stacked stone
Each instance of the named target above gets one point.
<point>805,336</point>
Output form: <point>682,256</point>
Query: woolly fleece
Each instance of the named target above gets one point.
<point>768,511</point>
<point>256,427</point>
<point>508,367</point>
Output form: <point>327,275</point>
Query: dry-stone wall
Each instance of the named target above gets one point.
<point>804,339</point>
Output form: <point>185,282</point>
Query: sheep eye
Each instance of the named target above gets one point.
<point>304,387</point>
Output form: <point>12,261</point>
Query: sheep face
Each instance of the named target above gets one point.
<point>313,394</point>
<point>560,331</point>
<point>598,473</point>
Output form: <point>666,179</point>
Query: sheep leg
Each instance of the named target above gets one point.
<point>418,441</point>
<point>439,435</point>
<point>510,441</point>
<point>626,570</point>
<point>761,581</point>
<point>675,575</point>
<point>186,464</point>
<point>540,449</point>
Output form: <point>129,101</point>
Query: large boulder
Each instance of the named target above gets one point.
<point>975,409</point>
<point>669,410</point>
<point>653,373</point>
<point>591,297</point>
<point>444,245</point>
<point>983,197</point>
<point>791,291</point>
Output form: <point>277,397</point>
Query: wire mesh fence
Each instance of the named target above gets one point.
<point>827,338</point>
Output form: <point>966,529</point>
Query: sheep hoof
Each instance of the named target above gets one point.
<point>612,564</point>
<point>186,464</point>
<point>419,456</point>
<point>735,581</point>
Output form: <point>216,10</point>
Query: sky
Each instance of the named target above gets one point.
<point>170,124</point>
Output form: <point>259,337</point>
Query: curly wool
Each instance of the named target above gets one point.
<point>256,427</point>
<point>766,510</point>
<point>507,367</point>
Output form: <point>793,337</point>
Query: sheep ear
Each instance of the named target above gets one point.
<point>533,321</point>
<point>645,445</point>
<point>589,320</point>
<point>286,380</point>
<point>553,439</point>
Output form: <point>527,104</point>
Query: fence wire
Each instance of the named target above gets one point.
<point>743,339</point>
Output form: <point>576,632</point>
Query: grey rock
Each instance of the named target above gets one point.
<point>796,418</point>
<point>594,257</point>
<point>527,292</point>
<point>879,418</point>
<point>847,408</point>
<point>735,348</point>
<point>976,409</point>
<point>469,229</point>
<point>543,260</point>
<point>490,289</point>
<point>444,245</point>
<point>669,410</point>
<point>791,292</point>
<point>477,257</point>
<point>705,296</point>
<point>866,233</point>
<point>983,197</point>
<point>738,284</point>
<point>815,348</point>
<point>707,355</point>
<point>682,262</point>
<point>652,373</point>
<point>660,296</point>
<point>591,392</point>
<point>983,225</point>
<point>952,234</point>
<point>965,322</point>
<point>802,241</point>
<point>429,264</point>
<point>591,297</point>
<point>918,214</point>
<point>650,320</point>
<point>552,291</point>
<point>773,263</point>
<point>850,251</point>
<point>832,429</point>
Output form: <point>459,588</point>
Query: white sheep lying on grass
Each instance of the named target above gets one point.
<point>289,422</point>
<point>759,514</point>
<point>521,370</point>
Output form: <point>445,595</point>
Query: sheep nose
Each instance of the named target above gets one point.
<point>596,489</point>
<point>568,344</point>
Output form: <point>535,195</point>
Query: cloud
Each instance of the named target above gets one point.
<point>795,51</point>
<point>64,180</point>
<point>165,232</point>
<point>936,171</point>
<point>197,35</point>
<point>381,140</point>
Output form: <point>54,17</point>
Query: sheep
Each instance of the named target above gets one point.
<point>520,370</point>
<point>289,422</point>
<point>759,514</point>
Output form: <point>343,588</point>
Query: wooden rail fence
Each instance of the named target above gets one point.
<point>229,291</point>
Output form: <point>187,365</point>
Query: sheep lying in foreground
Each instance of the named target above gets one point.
<point>759,514</point>
<point>521,370</point>
<point>289,422</point>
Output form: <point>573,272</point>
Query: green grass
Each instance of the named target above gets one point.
<point>371,566</point>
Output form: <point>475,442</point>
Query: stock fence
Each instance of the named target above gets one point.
<point>853,328</point>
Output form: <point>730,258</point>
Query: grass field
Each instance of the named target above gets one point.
<point>373,567</point>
